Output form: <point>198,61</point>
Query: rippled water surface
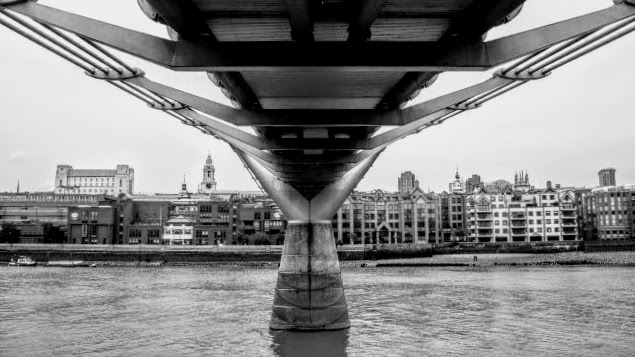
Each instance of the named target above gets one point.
<point>199,311</point>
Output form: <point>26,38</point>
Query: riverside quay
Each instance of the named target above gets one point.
<point>316,80</point>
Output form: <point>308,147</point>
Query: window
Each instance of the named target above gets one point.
<point>548,221</point>
<point>539,230</point>
<point>256,215</point>
<point>539,221</point>
<point>531,221</point>
<point>504,214</point>
<point>267,215</point>
<point>200,234</point>
<point>120,183</point>
<point>134,233</point>
<point>495,214</point>
<point>206,209</point>
<point>153,233</point>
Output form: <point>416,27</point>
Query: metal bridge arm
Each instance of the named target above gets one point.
<point>235,56</point>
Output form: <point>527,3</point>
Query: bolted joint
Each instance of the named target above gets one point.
<point>167,106</point>
<point>521,76</point>
<point>461,106</point>
<point>112,75</point>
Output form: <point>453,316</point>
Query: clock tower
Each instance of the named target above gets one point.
<point>208,185</point>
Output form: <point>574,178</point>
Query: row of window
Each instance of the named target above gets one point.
<point>505,222</point>
<point>265,215</point>
<point>531,230</point>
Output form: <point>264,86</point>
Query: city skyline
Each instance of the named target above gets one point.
<point>193,183</point>
<point>555,135</point>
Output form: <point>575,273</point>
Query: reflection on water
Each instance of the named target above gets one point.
<point>202,311</point>
<point>310,344</point>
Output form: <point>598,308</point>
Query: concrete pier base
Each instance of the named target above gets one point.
<point>309,293</point>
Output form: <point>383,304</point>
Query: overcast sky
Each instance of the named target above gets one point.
<point>563,128</point>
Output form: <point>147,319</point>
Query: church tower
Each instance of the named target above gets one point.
<point>208,185</point>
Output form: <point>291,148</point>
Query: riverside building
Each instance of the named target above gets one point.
<point>41,216</point>
<point>609,213</point>
<point>453,211</point>
<point>379,217</point>
<point>517,216</point>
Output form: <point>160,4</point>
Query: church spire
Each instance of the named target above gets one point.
<point>208,184</point>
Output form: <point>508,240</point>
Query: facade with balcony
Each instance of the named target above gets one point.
<point>517,216</point>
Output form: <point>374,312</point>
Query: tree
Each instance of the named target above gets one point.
<point>9,233</point>
<point>460,235</point>
<point>53,234</point>
<point>280,239</point>
<point>261,239</point>
<point>241,238</point>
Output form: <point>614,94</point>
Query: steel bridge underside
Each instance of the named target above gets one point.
<point>316,80</point>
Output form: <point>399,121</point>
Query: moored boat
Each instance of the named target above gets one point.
<point>68,263</point>
<point>23,261</point>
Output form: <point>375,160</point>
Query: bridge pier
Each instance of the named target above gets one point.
<point>309,293</point>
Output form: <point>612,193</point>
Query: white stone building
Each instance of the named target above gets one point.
<point>94,182</point>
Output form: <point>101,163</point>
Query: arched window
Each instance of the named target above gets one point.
<point>120,182</point>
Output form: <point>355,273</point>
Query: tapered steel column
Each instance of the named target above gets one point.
<point>309,292</point>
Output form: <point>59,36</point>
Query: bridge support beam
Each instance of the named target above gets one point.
<point>309,292</point>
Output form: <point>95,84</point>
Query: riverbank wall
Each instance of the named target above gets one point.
<point>508,247</point>
<point>176,255</point>
<point>163,254</point>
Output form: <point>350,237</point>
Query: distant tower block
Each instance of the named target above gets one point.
<point>607,177</point>
<point>407,182</point>
<point>208,185</point>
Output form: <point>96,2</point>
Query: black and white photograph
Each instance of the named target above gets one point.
<point>317,178</point>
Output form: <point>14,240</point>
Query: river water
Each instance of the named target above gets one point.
<point>422,311</point>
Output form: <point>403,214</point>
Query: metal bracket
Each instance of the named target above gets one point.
<point>194,124</point>
<point>627,2</point>
<point>522,76</point>
<point>116,76</point>
<point>464,106</point>
<point>11,2</point>
<point>167,107</point>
